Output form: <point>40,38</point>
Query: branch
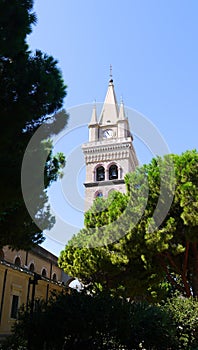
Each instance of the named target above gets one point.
<point>186,286</point>
<point>186,258</point>
<point>173,264</point>
<point>168,275</point>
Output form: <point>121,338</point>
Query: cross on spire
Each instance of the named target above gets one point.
<point>110,74</point>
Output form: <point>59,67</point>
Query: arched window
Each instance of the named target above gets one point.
<point>17,261</point>
<point>54,277</point>
<point>113,172</point>
<point>31,267</point>
<point>100,173</point>
<point>98,194</point>
<point>111,190</point>
<point>44,273</point>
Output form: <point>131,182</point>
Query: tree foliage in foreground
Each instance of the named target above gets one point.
<point>131,245</point>
<point>31,94</point>
<point>79,320</point>
<point>184,316</point>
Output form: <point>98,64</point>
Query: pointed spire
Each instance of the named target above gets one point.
<point>94,120</point>
<point>122,111</point>
<point>109,112</point>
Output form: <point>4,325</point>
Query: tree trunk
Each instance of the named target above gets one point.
<point>195,270</point>
<point>184,272</point>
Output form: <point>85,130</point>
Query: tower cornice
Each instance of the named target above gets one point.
<point>98,147</point>
<point>110,152</point>
<point>104,183</point>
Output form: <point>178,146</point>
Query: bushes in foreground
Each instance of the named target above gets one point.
<point>78,320</point>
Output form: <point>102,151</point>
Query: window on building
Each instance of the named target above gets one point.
<point>44,273</point>
<point>54,277</point>
<point>37,305</point>
<point>15,304</point>
<point>100,173</point>
<point>113,172</point>
<point>98,194</point>
<point>17,261</point>
<point>32,267</point>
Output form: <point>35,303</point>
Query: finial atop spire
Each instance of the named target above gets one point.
<point>111,75</point>
<point>121,112</point>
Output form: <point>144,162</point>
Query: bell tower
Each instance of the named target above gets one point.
<point>109,154</point>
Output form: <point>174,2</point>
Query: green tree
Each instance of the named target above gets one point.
<point>93,322</point>
<point>31,94</point>
<point>184,316</point>
<point>143,252</point>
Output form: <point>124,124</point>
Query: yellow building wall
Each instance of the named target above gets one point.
<point>16,283</point>
<point>15,280</point>
<point>40,263</point>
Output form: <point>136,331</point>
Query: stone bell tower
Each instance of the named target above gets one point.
<point>109,154</point>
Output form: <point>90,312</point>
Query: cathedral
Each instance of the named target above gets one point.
<point>109,153</point>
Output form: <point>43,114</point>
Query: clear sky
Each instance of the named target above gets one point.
<point>153,48</point>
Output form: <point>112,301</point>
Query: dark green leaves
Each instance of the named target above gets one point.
<point>145,237</point>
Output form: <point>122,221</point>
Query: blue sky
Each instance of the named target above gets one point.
<point>152,46</point>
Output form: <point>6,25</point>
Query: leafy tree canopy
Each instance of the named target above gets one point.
<point>31,94</point>
<point>150,245</point>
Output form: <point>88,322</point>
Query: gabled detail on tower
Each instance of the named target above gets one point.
<point>93,126</point>
<point>94,116</point>
<point>121,111</point>
<point>123,124</point>
<point>109,154</point>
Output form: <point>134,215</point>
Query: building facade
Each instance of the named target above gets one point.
<point>109,154</point>
<point>26,277</point>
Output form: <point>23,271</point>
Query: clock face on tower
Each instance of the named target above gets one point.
<point>108,133</point>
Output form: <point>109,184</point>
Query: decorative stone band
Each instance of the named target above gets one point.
<point>97,148</point>
<point>104,183</point>
<point>107,152</point>
<point>106,157</point>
